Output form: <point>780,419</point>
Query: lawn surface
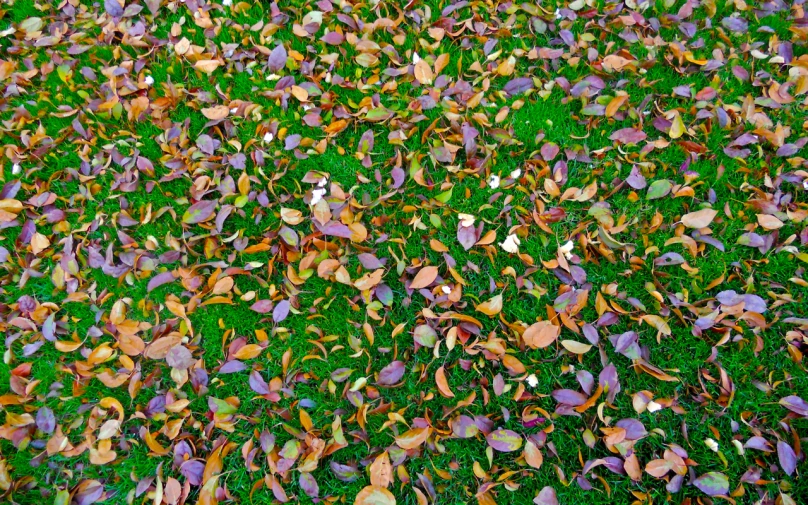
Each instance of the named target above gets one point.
<point>403,252</point>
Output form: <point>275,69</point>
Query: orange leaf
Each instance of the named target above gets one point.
<point>424,277</point>
<point>540,335</point>
<point>381,473</point>
<point>207,66</point>
<point>533,455</point>
<point>443,384</point>
<point>216,112</point>
<point>423,72</point>
<point>491,307</point>
<point>249,351</point>
<point>375,495</point>
<point>699,219</point>
<point>412,438</point>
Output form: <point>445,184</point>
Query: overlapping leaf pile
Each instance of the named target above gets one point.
<point>403,252</point>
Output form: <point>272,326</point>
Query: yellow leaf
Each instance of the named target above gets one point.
<point>658,323</point>
<point>677,127</point>
<point>576,347</point>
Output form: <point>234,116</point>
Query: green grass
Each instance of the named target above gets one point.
<point>331,315</point>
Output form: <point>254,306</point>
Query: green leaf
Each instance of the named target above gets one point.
<point>445,196</point>
<point>658,189</point>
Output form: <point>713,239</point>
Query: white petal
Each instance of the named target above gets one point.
<point>466,219</point>
<point>511,244</point>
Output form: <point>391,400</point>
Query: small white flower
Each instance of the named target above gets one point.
<point>653,406</point>
<point>16,169</point>
<point>558,13</point>
<point>317,195</point>
<point>268,136</point>
<point>805,184</point>
<point>466,219</point>
<point>273,77</point>
<point>149,80</point>
<point>712,444</point>
<point>415,58</point>
<point>511,244</point>
<point>566,249</point>
<point>323,182</point>
<point>493,181</point>
<point>516,173</point>
<point>227,3</point>
<point>446,290</point>
<point>233,110</point>
<point>532,380</point>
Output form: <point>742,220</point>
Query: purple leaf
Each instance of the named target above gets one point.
<point>281,311</point>
<point>332,39</point>
<point>795,404</point>
<point>547,496</point>
<point>569,397</point>
<point>262,306</point>
<point>518,85</point>
<point>787,457</point>
<point>258,384</point>
<point>45,420</point>
<point>549,151</point>
<point>277,58</point>
<point>392,373</point>
<point>179,357</point>
<point>466,236</point>
<point>199,212</point>
<point>159,280</point>
<point>504,440</point>
<point>336,229</point>
<point>635,179</point>
<point>233,366</point>
<point>628,136</point>
<point>113,8</point>
<point>307,482</point>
